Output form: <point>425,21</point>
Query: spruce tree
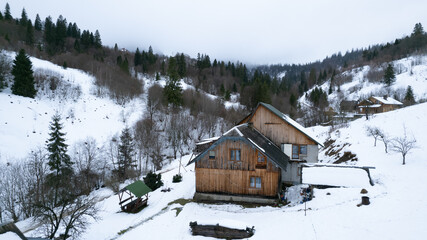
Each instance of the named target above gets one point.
<point>97,41</point>
<point>173,90</point>
<point>389,76</point>
<point>24,18</point>
<point>409,96</point>
<point>137,58</point>
<point>7,15</point>
<point>29,35</point>
<point>58,160</point>
<point>38,23</point>
<point>126,154</point>
<point>22,72</point>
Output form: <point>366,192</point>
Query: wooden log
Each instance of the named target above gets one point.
<point>218,231</point>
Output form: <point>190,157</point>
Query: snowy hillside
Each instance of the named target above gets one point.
<point>24,121</point>
<point>397,209</point>
<point>411,71</point>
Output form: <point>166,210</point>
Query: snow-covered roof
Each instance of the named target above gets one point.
<point>389,100</point>
<point>207,140</point>
<point>256,139</point>
<point>292,122</point>
<point>340,177</point>
<point>370,106</point>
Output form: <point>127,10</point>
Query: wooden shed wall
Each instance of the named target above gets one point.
<point>221,175</point>
<point>276,129</point>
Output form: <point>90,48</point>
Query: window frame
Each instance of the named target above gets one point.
<point>299,148</point>
<point>211,157</point>
<point>255,182</point>
<point>233,154</point>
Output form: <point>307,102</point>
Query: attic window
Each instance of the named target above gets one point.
<point>211,154</point>
<point>261,158</point>
<point>235,154</point>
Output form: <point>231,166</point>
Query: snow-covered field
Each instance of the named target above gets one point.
<point>397,210</point>
<point>398,206</point>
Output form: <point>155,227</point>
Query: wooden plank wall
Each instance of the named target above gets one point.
<point>236,181</point>
<point>224,176</point>
<point>276,129</point>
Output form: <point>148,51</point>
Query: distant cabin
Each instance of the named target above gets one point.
<point>378,105</point>
<point>255,157</point>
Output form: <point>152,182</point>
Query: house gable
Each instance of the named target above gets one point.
<point>279,128</point>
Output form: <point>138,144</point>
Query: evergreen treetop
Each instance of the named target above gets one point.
<point>7,15</point>
<point>389,76</point>
<point>38,23</point>
<point>24,18</point>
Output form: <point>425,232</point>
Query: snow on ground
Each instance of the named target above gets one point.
<point>410,71</point>
<point>9,236</point>
<point>397,210</point>
<point>24,122</point>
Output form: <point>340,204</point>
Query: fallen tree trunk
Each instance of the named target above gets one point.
<point>218,231</point>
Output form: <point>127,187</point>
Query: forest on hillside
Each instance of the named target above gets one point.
<point>163,133</point>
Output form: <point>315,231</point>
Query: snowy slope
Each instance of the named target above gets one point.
<point>410,71</point>
<point>24,121</point>
<point>397,209</point>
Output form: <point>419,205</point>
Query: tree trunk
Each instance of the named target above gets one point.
<point>403,163</point>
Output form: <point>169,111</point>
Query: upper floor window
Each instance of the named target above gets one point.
<point>211,154</point>
<point>235,154</point>
<point>298,150</point>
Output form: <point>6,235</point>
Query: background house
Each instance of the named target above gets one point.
<point>378,105</point>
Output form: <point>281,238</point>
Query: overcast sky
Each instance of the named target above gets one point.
<point>257,32</point>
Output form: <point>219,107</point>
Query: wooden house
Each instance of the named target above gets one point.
<point>378,105</point>
<point>255,157</point>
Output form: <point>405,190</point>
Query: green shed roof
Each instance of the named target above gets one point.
<point>138,188</point>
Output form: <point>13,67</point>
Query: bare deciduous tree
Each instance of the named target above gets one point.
<point>403,145</point>
<point>374,132</point>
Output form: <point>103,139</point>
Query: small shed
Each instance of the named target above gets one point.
<point>134,196</point>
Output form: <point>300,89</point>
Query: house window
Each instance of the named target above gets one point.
<point>295,154</point>
<point>211,154</point>
<point>255,182</point>
<point>261,158</point>
<point>298,150</point>
<point>235,154</point>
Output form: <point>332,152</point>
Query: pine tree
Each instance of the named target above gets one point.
<point>29,35</point>
<point>98,42</point>
<point>409,96</point>
<point>126,154</point>
<point>1,16</point>
<point>38,23</point>
<point>173,90</point>
<point>7,15</point>
<point>137,58</point>
<point>418,30</point>
<point>389,76</point>
<point>24,18</point>
<point>22,72</point>
<point>58,160</point>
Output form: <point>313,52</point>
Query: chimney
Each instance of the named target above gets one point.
<point>385,97</point>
